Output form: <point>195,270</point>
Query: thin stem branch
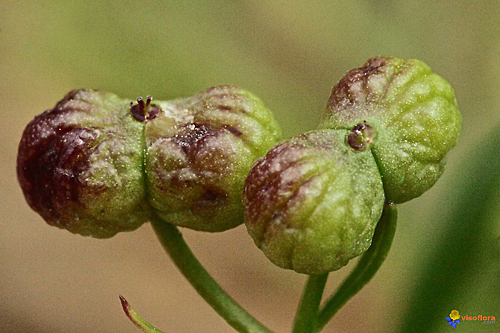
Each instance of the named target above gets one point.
<point>200,279</point>
<point>136,319</point>
<point>367,266</point>
<point>307,312</point>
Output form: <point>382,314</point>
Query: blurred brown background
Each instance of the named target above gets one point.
<point>289,53</point>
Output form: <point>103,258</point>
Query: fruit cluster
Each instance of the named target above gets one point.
<point>96,164</point>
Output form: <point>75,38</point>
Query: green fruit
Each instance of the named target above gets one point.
<point>97,165</point>
<point>312,203</point>
<point>414,113</point>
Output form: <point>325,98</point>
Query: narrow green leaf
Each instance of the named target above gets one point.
<point>463,270</point>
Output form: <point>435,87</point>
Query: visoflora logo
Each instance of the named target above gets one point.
<point>455,318</point>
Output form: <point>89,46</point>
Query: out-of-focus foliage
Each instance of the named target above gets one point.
<point>463,270</point>
<point>290,54</point>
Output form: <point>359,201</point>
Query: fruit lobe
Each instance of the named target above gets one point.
<point>414,113</point>
<point>196,168</point>
<point>312,203</point>
<point>79,165</point>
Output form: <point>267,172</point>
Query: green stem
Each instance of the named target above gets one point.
<point>367,266</point>
<point>307,313</point>
<point>200,279</point>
